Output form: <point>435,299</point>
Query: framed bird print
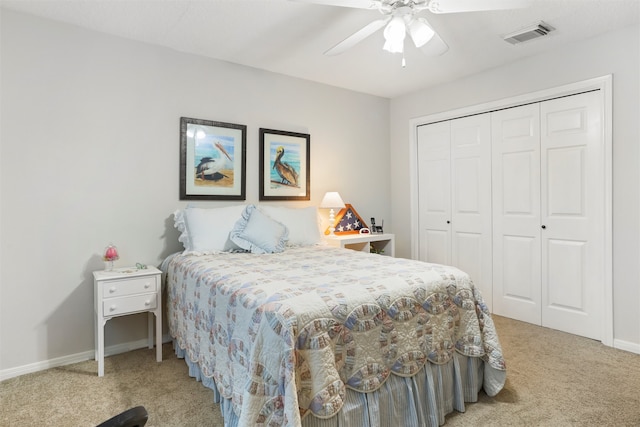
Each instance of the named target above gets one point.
<point>284,165</point>
<point>212,160</point>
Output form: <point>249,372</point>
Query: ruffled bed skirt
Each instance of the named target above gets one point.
<point>422,400</point>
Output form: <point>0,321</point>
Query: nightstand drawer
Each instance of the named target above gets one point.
<point>122,305</point>
<point>121,287</point>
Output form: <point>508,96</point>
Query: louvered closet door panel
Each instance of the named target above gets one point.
<point>434,193</point>
<point>471,200</point>
<point>572,212</point>
<point>516,212</point>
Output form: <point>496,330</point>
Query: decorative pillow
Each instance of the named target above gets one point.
<point>258,233</point>
<point>303,223</point>
<point>207,229</point>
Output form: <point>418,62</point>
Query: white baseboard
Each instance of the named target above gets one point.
<point>627,346</point>
<point>75,358</point>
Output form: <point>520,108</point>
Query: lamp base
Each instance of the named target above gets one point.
<point>332,220</point>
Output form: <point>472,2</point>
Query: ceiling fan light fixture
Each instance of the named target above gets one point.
<point>394,34</point>
<point>420,32</point>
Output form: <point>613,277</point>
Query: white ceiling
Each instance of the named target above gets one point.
<point>290,37</point>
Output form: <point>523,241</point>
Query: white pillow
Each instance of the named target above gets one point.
<point>207,229</point>
<point>258,233</point>
<point>303,223</point>
<point>181,226</point>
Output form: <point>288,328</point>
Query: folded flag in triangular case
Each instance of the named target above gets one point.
<point>348,221</point>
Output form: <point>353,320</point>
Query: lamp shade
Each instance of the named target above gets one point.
<point>332,200</point>
<point>394,34</point>
<point>111,253</point>
<point>420,32</point>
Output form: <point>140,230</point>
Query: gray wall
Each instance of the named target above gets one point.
<point>90,153</point>
<point>615,53</point>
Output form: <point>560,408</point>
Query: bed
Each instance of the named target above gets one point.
<point>288,331</point>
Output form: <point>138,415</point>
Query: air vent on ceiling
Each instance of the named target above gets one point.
<point>529,33</point>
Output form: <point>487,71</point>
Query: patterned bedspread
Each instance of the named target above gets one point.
<point>284,334</point>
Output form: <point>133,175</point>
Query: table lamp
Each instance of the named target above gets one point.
<point>332,200</point>
<point>110,255</point>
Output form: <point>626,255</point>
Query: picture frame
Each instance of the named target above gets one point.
<point>212,160</point>
<point>284,165</point>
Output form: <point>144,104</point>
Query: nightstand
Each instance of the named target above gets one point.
<point>382,243</point>
<point>125,291</point>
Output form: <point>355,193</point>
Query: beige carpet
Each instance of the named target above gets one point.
<point>554,379</point>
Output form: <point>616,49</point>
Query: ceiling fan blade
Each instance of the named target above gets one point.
<point>455,6</point>
<point>357,4</point>
<point>357,37</point>
<point>435,47</point>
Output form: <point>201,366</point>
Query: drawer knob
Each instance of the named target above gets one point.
<point>112,308</point>
<point>147,302</point>
<point>147,285</point>
<point>112,289</point>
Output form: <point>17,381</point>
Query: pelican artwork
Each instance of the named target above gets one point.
<point>285,170</point>
<point>209,168</point>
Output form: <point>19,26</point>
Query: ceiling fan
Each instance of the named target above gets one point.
<point>401,17</point>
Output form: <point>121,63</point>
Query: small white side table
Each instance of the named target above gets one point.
<point>125,291</point>
<point>385,243</point>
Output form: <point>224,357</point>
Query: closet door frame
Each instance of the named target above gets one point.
<point>603,84</point>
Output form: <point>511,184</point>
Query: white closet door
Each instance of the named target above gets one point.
<point>454,184</point>
<point>471,200</point>
<point>434,187</point>
<point>516,213</point>
<point>572,214</point>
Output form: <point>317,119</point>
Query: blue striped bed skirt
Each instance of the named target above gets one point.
<point>422,400</point>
